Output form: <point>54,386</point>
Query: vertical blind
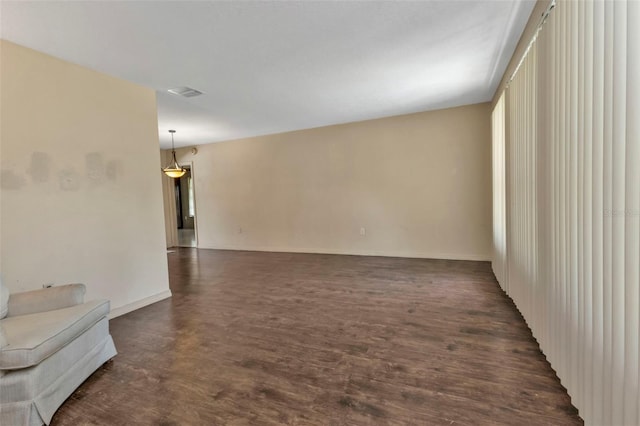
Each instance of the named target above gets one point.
<point>567,233</point>
<point>499,194</point>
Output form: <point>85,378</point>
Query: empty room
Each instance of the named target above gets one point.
<point>320,212</point>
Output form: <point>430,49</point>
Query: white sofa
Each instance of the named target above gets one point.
<point>50,342</point>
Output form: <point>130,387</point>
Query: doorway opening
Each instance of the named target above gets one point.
<point>185,210</point>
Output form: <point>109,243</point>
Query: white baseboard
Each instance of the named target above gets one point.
<point>139,304</point>
<point>444,256</point>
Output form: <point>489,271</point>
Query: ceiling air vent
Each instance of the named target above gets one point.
<point>187,92</point>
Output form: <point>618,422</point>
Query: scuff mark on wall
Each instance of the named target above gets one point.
<point>10,180</point>
<point>113,169</point>
<point>40,167</point>
<point>95,168</point>
<point>68,180</point>
<point>40,171</point>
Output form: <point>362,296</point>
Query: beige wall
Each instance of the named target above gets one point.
<point>419,184</point>
<point>81,192</point>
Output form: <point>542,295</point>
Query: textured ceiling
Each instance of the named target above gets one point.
<point>268,67</point>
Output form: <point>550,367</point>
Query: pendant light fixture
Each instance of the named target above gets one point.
<point>174,170</point>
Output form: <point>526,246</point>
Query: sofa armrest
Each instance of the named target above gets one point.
<point>46,299</point>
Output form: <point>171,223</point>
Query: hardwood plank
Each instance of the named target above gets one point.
<point>284,338</point>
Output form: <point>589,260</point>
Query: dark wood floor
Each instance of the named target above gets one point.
<point>278,338</point>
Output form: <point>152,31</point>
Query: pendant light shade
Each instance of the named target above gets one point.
<point>174,170</point>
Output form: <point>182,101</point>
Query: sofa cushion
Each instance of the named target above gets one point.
<point>32,338</point>
<point>45,299</point>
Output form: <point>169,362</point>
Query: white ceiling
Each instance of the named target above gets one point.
<point>275,66</point>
